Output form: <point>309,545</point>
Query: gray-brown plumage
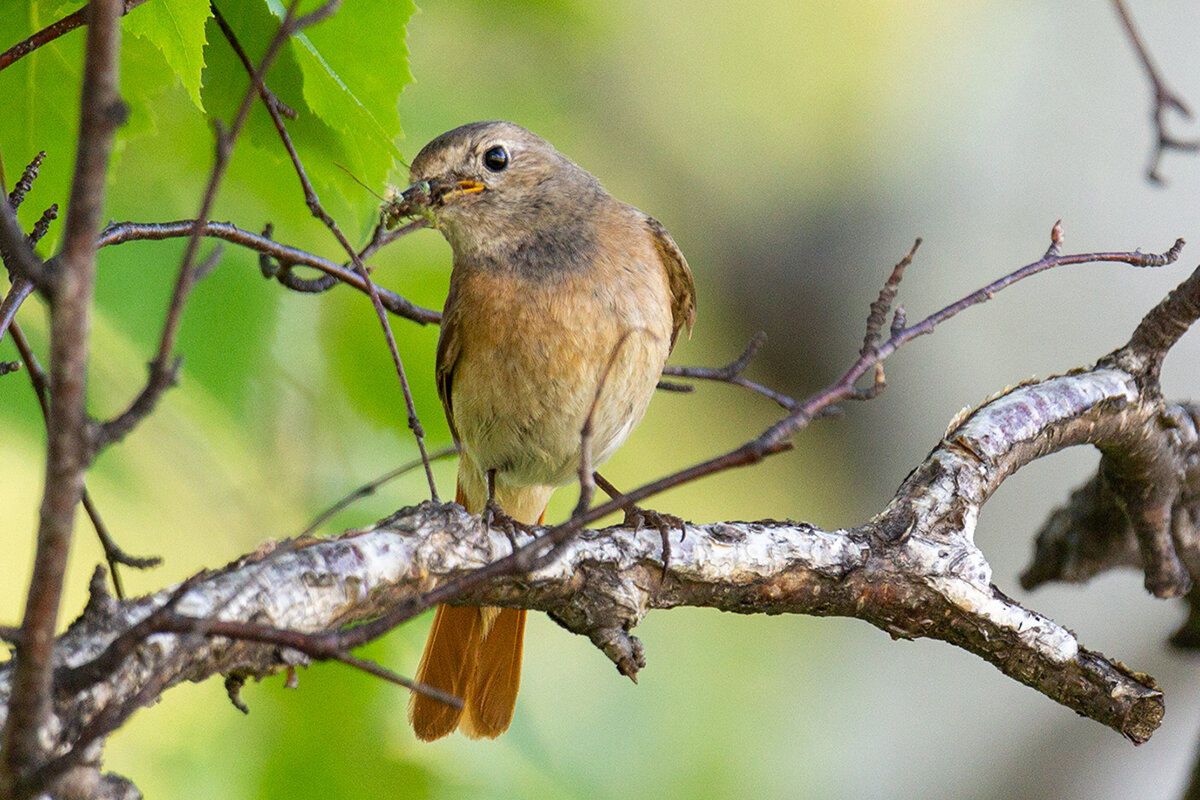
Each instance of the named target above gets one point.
<point>558,291</point>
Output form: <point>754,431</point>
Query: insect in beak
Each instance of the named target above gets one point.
<point>419,198</point>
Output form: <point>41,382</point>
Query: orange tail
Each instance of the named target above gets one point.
<point>472,653</point>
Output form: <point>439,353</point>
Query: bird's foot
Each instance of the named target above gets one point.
<point>637,518</point>
<point>496,518</point>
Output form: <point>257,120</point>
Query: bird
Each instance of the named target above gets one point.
<point>564,304</point>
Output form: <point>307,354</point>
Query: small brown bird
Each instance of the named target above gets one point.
<point>561,296</point>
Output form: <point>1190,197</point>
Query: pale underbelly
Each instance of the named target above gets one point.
<point>520,410</point>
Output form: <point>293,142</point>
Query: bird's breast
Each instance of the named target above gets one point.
<point>535,355</point>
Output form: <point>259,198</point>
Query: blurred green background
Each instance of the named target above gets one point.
<point>794,150</point>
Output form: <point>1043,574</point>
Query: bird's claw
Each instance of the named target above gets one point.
<point>496,518</point>
<point>638,518</point>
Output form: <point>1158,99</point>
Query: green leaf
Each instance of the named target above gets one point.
<point>176,28</point>
<point>39,96</point>
<point>376,28</point>
<point>345,95</point>
<point>225,79</point>
<point>350,93</point>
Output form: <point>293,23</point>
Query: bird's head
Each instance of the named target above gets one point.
<point>494,181</point>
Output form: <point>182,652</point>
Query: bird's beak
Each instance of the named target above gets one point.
<point>466,187</point>
<point>420,198</point>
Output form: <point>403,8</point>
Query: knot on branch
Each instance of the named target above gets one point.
<point>622,648</point>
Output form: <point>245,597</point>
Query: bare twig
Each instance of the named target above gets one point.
<point>68,451</point>
<point>17,252</point>
<point>775,439</point>
<point>42,226</point>
<point>165,365</point>
<point>730,373</point>
<point>587,482</point>
<point>23,286</point>
<point>913,570</point>
<point>113,554</point>
<point>20,290</point>
<point>268,96</point>
<point>318,211</point>
<point>52,32</point>
<point>25,182</point>
<point>1164,100</point>
<point>383,236</point>
<point>370,488</point>
<point>121,232</point>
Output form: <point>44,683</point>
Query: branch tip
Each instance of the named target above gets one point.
<point>233,690</point>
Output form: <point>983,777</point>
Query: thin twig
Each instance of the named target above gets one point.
<point>383,236</point>
<point>25,182</point>
<point>164,367</point>
<point>330,644</point>
<point>731,373</point>
<point>587,482</point>
<point>318,211</point>
<point>17,293</point>
<point>270,97</point>
<point>775,439</point>
<point>22,286</point>
<point>371,487</point>
<point>51,32</point>
<point>113,554</point>
<point>121,232</point>
<point>17,252</point>
<point>315,647</point>
<point>1164,99</point>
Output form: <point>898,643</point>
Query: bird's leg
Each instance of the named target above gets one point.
<point>496,517</point>
<point>638,518</point>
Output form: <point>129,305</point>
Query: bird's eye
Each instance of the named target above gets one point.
<point>496,158</point>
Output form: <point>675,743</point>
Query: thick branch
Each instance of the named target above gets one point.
<point>68,451</point>
<point>913,571</point>
<point>1143,505</point>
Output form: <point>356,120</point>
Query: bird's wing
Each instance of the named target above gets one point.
<point>679,278</point>
<point>448,347</point>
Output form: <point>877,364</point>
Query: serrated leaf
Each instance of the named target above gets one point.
<point>373,28</point>
<point>176,28</point>
<point>377,28</point>
<point>226,81</point>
